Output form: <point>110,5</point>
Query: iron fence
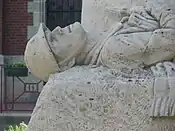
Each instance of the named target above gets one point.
<point>14,89</point>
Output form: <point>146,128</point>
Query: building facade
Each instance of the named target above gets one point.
<point>19,20</point>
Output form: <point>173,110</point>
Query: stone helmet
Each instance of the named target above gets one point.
<point>39,57</point>
<point>50,52</point>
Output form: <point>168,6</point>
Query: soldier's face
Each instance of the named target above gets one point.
<point>68,41</point>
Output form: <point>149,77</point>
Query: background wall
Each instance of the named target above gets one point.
<point>1,12</point>
<point>15,22</point>
<point>19,21</point>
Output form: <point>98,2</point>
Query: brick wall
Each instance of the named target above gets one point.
<point>1,10</point>
<point>15,22</point>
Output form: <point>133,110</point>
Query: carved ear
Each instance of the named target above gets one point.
<point>64,65</point>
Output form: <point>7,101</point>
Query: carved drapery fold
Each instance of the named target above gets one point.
<point>163,103</point>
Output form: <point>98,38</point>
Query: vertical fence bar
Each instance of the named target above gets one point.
<point>5,88</point>
<point>1,90</point>
<point>13,95</point>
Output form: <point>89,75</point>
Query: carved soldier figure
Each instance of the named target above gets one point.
<point>139,50</point>
<point>138,40</point>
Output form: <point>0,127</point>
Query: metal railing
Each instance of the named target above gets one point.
<point>12,93</point>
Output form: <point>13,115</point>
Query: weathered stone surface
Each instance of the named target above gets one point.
<point>163,104</point>
<point>38,47</point>
<point>99,15</point>
<point>123,39</point>
<point>97,99</point>
<point>143,37</point>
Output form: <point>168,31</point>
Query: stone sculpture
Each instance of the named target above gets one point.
<point>132,65</point>
<point>138,40</point>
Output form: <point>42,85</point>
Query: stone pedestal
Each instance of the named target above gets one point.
<point>83,99</point>
<point>102,99</point>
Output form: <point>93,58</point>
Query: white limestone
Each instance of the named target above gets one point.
<point>39,55</point>
<point>163,103</point>
<point>99,15</point>
<point>97,99</point>
<point>115,72</point>
<point>138,40</point>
